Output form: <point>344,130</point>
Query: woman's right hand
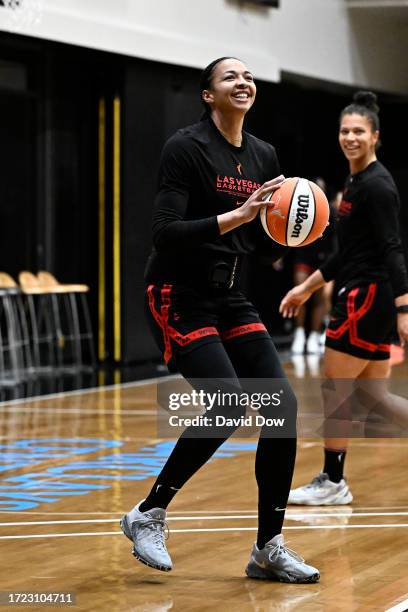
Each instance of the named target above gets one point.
<point>249,209</point>
<point>293,300</point>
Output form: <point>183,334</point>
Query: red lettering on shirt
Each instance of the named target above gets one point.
<point>229,184</point>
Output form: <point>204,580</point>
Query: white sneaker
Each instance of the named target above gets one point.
<point>276,562</point>
<point>299,340</point>
<point>146,531</point>
<point>321,492</point>
<point>313,343</point>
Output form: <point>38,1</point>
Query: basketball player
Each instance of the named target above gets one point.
<point>212,183</point>
<point>371,288</point>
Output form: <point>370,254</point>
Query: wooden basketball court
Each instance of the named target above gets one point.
<point>73,463</point>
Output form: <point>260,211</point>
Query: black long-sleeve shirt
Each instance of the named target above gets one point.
<point>368,233</point>
<point>201,176</point>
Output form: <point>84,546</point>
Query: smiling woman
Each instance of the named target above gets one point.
<point>225,91</point>
<point>372,292</point>
<point>359,133</point>
<point>213,181</point>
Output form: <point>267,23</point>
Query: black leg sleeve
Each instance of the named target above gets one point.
<point>276,452</point>
<point>194,448</point>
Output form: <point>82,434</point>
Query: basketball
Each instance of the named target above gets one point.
<point>298,213</point>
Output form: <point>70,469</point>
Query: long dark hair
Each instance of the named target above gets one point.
<point>205,81</point>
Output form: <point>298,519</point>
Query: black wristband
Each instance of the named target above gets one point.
<point>402,309</point>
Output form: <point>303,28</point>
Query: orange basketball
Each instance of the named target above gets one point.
<point>298,213</point>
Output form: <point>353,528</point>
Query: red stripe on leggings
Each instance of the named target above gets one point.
<point>202,332</point>
<point>165,307</point>
<point>242,330</point>
<point>168,331</point>
<point>153,310</point>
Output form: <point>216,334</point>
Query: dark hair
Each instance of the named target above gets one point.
<point>205,81</point>
<point>365,104</point>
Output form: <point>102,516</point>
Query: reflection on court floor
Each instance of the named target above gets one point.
<point>72,463</point>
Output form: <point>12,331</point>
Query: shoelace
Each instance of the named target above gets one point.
<point>160,528</point>
<point>280,549</point>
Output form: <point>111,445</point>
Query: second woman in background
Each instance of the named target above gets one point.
<point>371,289</point>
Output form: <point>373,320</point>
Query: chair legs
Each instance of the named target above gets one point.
<point>72,308</point>
<point>79,329</point>
<point>60,330</point>
<point>44,329</point>
<point>33,330</point>
<point>87,333</point>
<point>25,336</point>
<point>12,346</point>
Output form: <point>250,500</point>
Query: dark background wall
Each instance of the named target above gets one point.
<point>49,97</point>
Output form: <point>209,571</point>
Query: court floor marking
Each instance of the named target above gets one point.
<point>210,518</point>
<point>198,512</point>
<point>62,394</point>
<point>84,411</point>
<point>198,530</point>
<point>143,412</point>
<point>389,443</point>
<point>400,607</point>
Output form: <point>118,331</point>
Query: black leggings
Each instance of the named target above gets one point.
<point>275,456</point>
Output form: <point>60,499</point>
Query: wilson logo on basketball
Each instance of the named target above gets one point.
<point>296,214</point>
<point>301,215</point>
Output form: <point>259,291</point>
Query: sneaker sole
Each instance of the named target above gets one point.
<point>125,528</point>
<point>257,573</point>
<point>334,501</point>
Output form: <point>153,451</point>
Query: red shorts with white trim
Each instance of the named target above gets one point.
<point>362,321</point>
<point>182,318</point>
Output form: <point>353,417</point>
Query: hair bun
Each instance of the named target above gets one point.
<point>368,99</point>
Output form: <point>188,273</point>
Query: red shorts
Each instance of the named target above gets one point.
<point>181,318</point>
<point>362,321</point>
